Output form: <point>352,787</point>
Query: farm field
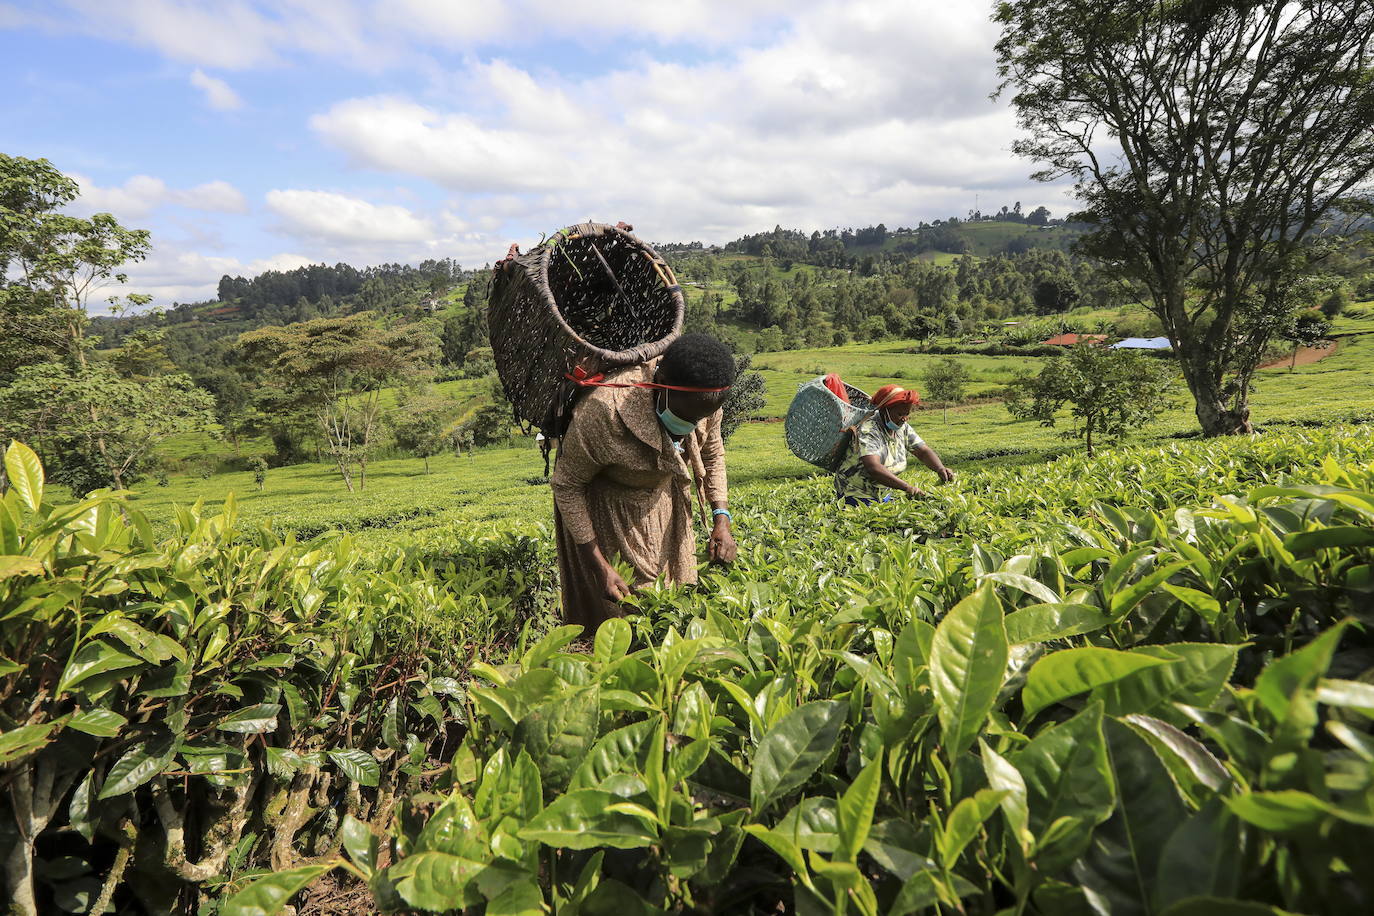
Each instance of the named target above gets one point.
<point>498,487</point>
<point>892,706</point>
<point>1058,681</point>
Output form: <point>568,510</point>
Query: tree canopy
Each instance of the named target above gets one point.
<point>1211,144</point>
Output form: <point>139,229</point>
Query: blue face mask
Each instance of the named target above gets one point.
<point>673,423</point>
<point>892,427</point>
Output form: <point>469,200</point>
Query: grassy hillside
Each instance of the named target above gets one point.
<point>497,487</point>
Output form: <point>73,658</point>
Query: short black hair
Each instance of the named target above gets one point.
<point>698,360</point>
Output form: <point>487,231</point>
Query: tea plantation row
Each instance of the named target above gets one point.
<point>1079,687</point>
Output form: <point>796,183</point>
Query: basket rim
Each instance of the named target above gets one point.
<point>638,354</point>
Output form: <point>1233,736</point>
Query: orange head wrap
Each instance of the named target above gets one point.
<point>893,395</point>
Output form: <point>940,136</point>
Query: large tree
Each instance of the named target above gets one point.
<point>96,424</point>
<point>336,368</point>
<point>52,264</point>
<point>1210,143</point>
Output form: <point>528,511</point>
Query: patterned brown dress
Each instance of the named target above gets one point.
<point>620,479</point>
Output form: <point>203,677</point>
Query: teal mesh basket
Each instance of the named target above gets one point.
<point>819,425</point>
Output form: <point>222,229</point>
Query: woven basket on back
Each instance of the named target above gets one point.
<point>592,296</point>
<point>819,425</point>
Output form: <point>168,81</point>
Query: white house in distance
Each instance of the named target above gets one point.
<point>1144,343</point>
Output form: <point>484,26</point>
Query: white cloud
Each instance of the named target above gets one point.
<point>369,34</point>
<point>867,111</point>
<point>171,274</point>
<point>140,195</point>
<point>219,95</point>
<point>340,218</point>
<point>696,119</point>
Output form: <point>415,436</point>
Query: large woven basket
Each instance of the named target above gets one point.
<point>593,296</point>
<point>819,425</point>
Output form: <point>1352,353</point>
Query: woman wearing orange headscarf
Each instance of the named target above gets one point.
<point>879,449</point>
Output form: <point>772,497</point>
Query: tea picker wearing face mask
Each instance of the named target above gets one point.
<point>642,456</point>
<point>878,452</point>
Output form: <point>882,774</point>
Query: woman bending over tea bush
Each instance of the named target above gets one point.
<point>878,452</point>
<point>637,448</point>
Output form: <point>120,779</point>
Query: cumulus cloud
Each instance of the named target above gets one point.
<point>341,218</point>
<point>860,112</point>
<point>237,34</point>
<point>172,274</point>
<point>697,119</point>
<point>140,195</point>
<point>219,95</point>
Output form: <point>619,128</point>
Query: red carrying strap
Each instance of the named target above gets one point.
<point>580,378</point>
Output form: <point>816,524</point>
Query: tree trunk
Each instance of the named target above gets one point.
<point>1215,417</point>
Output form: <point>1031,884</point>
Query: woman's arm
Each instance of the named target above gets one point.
<point>880,474</point>
<point>927,456</point>
<point>722,546</point>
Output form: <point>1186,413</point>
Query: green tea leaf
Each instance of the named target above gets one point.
<point>1202,857</point>
<point>783,845</point>
<point>11,566</point>
<point>360,843</point>
<point>1278,812</point>
<point>1005,778</point>
<point>1044,622</point>
<point>267,896</point>
<point>580,820</point>
<point>252,720</point>
<point>102,723</point>
<point>1121,866</point>
<point>25,474</point>
<point>1069,672</point>
<point>138,765</point>
<point>558,734</point>
<point>965,821</point>
<point>1190,763</point>
<point>612,641</point>
<point>615,752</point>
<point>93,659</point>
<point>1033,587</point>
<point>436,881</point>
<point>1204,604</point>
<point>967,661</point>
<point>18,743</point>
<point>1196,675</point>
<point>1068,776</point>
<point>1124,601</point>
<point>793,748</point>
<point>1287,687</point>
<point>357,765</point>
<point>855,809</point>
<point>1355,695</point>
<point>547,647</point>
<point>1305,542</point>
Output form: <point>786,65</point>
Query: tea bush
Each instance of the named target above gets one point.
<point>174,711</point>
<point>1133,685</point>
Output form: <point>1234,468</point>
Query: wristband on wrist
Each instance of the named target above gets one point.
<point>716,513</point>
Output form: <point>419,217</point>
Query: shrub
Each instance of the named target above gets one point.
<point>258,465</point>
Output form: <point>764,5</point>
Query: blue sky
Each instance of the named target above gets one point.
<point>249,135</point>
